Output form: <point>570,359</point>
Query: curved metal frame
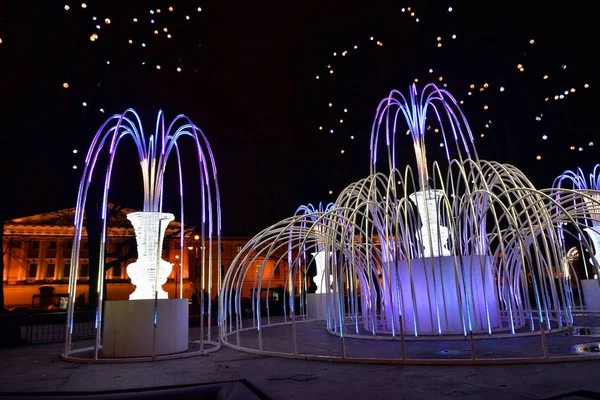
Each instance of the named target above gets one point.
<point>493,215</point>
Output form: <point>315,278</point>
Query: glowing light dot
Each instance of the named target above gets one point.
<point>545,76</point>
<point>417,20</point>
<point>556,97</point>
<point>74,166</point>
<point>330,104</point>
<point>178,69</point>
<point>590,144</point>
<point>143,44</point>
<point>74,151</point>
<point>342,151</point>
<point>562,96</point>
<point>0,40</point>
<point>83,5</point>
<point>572,148</point>
<point>441,78</point>
<point>331,131</point>
<point>521,69</point>
<point>158,67</point>
<point>135,20</point>
<point>158,10</point>
<point>439,38</point>
<point>199,9</point>
<point>84,104</point>
<point>345,110</point>
<point>317,77</point>
<point>67,8</point>
<point>404,9</point>
<point>462,102</point>
<point>538,157</point>
<point>156,32</point>
<point>94,18</point>
<point>581,149</point>
<point>572,90</point>
<point>485,85</point>
<point>341,121</point>
<point>169,36</point>
<point>66,85</point>
<point>355,47</point>
<point>439,45</point>
<point>449,9</point>
<point>436,130</point>
<point>416,80</point>
<point>441,144</point>
<point>482,135</point>
<point>502,88</point>
<point>412,14</point>
<point>330,71</point>
<point>320,128</point>
<point>531,41</point>
<point>485,107</point>
<point>430,71</point>
<point>130,41</point>
<point>102,110</point>
<point>564,66</point>
<point>352,137</point>
<point>331,192</point>
<point>371,38</point>
<point>469,93</point>
<point>586,86</point>
<point>170,8</point>
<point>107,21</point>
<point>165,30</point>
<point>453,36</point>
<point>472,86</point>
<point>187,17</point>
<point>544,137</point>
<point>97,26</point>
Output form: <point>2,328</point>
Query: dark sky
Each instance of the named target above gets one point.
<point>248,80</point>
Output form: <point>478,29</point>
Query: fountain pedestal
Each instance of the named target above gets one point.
<point>433,298</point>
<point>129,328</point>
<point>590,287</point>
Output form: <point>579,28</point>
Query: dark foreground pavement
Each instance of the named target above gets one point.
<point>37,372</point>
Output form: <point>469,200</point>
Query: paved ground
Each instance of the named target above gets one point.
<point>39,369</point>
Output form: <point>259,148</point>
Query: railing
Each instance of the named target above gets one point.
<point>45,327</point>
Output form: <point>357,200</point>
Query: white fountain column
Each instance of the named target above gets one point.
<point>591,290</point>
<point>317,302</point>
<point>150,230</point>
<point>143,326</point>
<point>427,202</point>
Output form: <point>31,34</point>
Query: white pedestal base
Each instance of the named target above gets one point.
<point>441,307</point>
<point>317,305</point>
<point>129,328</point>
<point>591,294</point>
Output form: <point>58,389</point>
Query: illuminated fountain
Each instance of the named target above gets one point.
<point>583,202</point>
<point>149,325</point>
<point>453,252</point>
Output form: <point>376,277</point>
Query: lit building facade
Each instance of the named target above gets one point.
<point>37,259</point>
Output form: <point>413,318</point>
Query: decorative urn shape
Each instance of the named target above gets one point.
<point>150,230</point>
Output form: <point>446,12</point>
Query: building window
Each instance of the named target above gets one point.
<point>66,270</point>
<point>67,248</point>
<point>239,248</point>
<point>116,271</point>
<point>34,250</point>
<point>50,268</point>
<point>85,271</point>
<point>15,244</point>
<point>51,250</point>
<point>32,271</point>
<point>222,248</point>
<point>84,252</point>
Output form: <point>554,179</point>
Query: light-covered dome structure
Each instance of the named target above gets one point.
<point>430,262</point>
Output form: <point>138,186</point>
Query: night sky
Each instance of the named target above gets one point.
<point>248,78</point>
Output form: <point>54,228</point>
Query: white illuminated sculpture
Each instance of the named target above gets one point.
<point>593,209</point>
<point>427,202</point>
<point>150,230</point>
<point>319,278</point>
